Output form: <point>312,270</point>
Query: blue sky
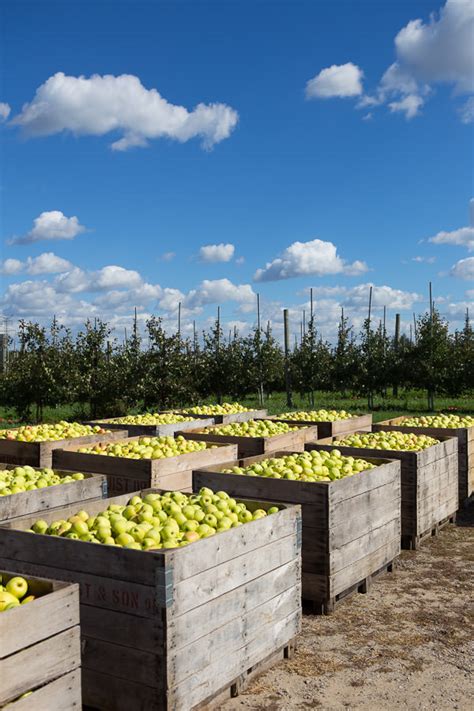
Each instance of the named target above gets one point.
<point>366,161</point>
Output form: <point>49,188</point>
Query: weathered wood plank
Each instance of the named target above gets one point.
<point>205,586</point>
<point>40,454</point>
<point>224,670</point>
<point>109,693</point>
<point>93,486</point>
<point>362,568</point>
<point>201,621</point>
<point>45,617</point>
<point>122,628</point>
<point>39,664</point>
<point>358,549</point>
<point>101,591</point>
<point>160,430</point>
<point>253,446</point>
<point>228,638</point>
<point>63,693</point>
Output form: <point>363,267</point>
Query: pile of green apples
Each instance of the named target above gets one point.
<point>441,420</point>
<point>146,448</point>
<point>19,479</point>
<point>51,433</point>
<point>252,428</point>
<point>14,593</point>
<point>151,418</point>
<point>168,520</point>
<point>318,415</point>
<point>227,408</point>
<point>306,466</point>
<point>391,440</point>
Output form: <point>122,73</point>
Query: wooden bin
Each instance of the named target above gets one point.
<point>169,629</point>
<point>229,418</point>
<point>252,446</point>
<point>465,438</point>
<point>125,475</point>
<point>351,527</point>
<point>93,486</point>
<point>40,647</point>
<point>168,430</point>
<point>429,485</point>
<point>40,454</point>
<point>357,423</point>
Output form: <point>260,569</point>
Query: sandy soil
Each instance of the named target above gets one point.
<point>408,644</point>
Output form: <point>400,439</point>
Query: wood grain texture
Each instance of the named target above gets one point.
<point>349,525</point>
<point>126,475</point>
<point>465,438</point>
<point>39,664</point>
<point>430,474</point>
<point>40,454</point>
<point>93,486</point>
<point>63,693</point>
<point>150,618</point>
<point>293,441</point>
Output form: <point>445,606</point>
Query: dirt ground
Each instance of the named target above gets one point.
<point>408,644</point>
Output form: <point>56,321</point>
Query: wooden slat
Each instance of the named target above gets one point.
<point>253,446</point>
<point>119,595</point>
<point>40,454</point>
<point>160,430</point>
<point>199,687</point>
<point>212,552</point>
<point>205,586</point>
<point>228,638</point>
<point>201,621</point>
<point>39,664</point>
<point>125,662</point>
<point>122,628</point>
<point>44,617</point>
<point>92,486</point>
<point>109,693</point>
<point>63,693</point>
<point>358,570</point>
<point>358,549</point>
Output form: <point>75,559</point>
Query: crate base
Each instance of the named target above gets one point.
<point>238,685</point>
<point>326,607</point>
<point>412,543</point>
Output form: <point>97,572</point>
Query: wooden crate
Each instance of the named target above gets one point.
<point>429,485</point>
<point>357,423</point>
<point>168,430</point>
<point>40,647</point>
<point>229,418</point>
<point>465,438</point>
<point>93,486</point>
<point>252,446</point>
<point>171,628</point>
<point>351,527</point>
<point>125,475</point>
<point>40,454</point>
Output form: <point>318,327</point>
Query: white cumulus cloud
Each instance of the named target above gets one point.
<point>108,278</point>
<point>464,269</point>
<point>216,252</point>
<point>4,111</point>
<point>315,257</point>
<point>341,81</point>
<point>216,291</point>
<point>439,50</point>
<point>464,236</point>
<point>52,225</point>
<point>46,263</point>
<point>98,105</point>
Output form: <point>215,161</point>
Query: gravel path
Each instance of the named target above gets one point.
<point>409,644</point>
